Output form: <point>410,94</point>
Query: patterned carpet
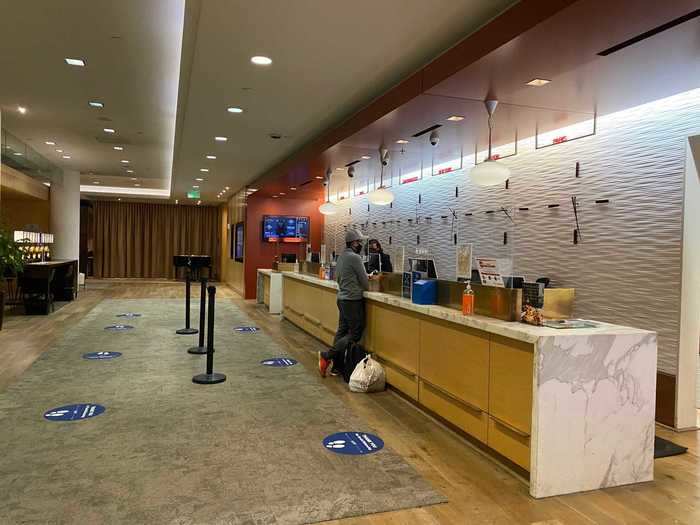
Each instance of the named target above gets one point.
<point>247,451</point>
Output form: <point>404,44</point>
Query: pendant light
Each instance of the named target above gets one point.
<point>489,172</point>
<point>382,196</point>
<point>328,208</point>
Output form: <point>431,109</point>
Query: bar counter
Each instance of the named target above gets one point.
<point>573,408</point>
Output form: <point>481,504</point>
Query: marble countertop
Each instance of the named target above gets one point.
<point>266,271</point>
<point>514,330</point>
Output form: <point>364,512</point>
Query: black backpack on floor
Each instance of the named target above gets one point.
<point>354,353</point>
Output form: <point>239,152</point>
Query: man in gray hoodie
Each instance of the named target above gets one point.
<point>352,282</point>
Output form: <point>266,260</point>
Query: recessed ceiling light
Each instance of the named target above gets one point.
<point>47,184</point>
<point>282,193</point>
<point>275,196</point>
<point>95,182</point>
<point>50,143</point>
<point>177,201</point>
<point>220,139</point>
<point>22,109</point>
<point>75,62</point>
<point>455,118</point>
<point>133,178</point>
<point>318,177</point>
<point>137,185</point>
<point>261,60</point>
<point>340,169</point>
<point>365,157</point>
<point>234,109</point>
<point>66,156</point>
<point>252,189</point>
<point>199,202</point>
<point>59,151</point>
<point>96,104</point>
<point>195,186</point>
<point>402,141</point>
<point>18,153</point>
<point>108,130</point>
<point>211,157</point>
<point>119,198</point>
<point>124,161</point>
<point>204,170</point>
<point>118,148</point>
<point>130,171</point>
<point>227,188</point>
<point>293,188</point>
<point>538,82</point>
<point>199,179</point>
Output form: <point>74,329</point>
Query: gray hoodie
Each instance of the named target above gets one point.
<point>351,276</point>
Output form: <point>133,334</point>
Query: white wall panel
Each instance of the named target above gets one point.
<point>627,267</point>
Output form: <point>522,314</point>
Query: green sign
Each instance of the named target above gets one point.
<point>194,194</point>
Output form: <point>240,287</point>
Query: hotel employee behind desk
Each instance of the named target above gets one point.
<point>378,260</point>
<point>352,282</point>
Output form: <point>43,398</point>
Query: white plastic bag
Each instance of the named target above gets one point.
<point>368,376</point>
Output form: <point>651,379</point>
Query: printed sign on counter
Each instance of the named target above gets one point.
<point>74,412</point>
<point>488,272</point>
<point>353,443</point>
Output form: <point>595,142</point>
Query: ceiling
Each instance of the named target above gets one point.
<point>132,53</point>
<point>329,59</point>
<point>167,70</point>
<point>563,49</point>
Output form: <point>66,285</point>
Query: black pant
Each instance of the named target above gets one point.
<point>351,325</point>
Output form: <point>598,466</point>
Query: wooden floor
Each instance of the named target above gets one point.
<point>479,490</point>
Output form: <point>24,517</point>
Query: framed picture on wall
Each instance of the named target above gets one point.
<point>239,242</point>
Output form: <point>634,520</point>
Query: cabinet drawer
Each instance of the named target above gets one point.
<point>456,360</point>
<point>510,385</point>
<point>400,378</point>
<point>396,337</point>
<point>510,442</point>
<point>468,418</point>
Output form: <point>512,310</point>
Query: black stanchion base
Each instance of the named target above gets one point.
<point>199,350</point>
<point>209,379</point>
<point>187,331</point>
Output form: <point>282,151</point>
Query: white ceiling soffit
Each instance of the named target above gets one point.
<point>329,60</point>
<point>132,54</point>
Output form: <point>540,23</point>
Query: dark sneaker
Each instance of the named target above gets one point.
<point>323,364</point>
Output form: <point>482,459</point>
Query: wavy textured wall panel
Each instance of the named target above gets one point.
<point>627,267</point>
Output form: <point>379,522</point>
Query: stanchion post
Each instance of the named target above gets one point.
<point>210,377</point>
<point>187,330</point>
<point>201,349</point>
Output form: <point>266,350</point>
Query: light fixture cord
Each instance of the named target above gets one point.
<point>490,130</point>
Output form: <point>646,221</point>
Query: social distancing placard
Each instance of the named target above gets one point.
<point>75,412</point>
<point>353,443</point>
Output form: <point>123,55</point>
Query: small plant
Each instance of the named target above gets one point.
<point>10,254</point>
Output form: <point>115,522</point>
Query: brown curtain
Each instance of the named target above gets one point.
<point>140,239</point>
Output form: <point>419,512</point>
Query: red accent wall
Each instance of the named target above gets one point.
<point>259,254</point>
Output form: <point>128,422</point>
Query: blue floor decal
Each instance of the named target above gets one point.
<point>74,412</point>
<point>353,443</point>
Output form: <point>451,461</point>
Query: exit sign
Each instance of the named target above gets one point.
<point>194,194</point>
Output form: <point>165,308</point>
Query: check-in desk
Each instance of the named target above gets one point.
<point>573,409</point>
<point>269,290</point>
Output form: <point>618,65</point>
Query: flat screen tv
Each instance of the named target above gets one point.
<point>285,228</point>
<point>239,242</point>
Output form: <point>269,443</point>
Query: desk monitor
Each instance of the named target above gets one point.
<point>426,267</point>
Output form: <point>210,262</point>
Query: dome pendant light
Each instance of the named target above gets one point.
<point>489,172</point>
<point>382,196</point>
<point>328,208</point>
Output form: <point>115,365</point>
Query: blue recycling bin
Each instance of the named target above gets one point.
<point>425,291</point>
